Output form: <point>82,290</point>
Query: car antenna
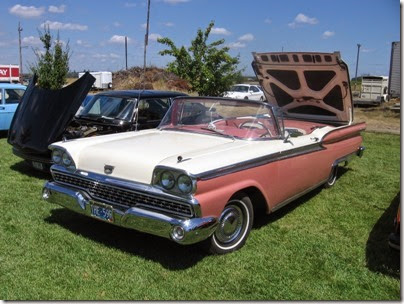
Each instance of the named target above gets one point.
<point>146,42</point>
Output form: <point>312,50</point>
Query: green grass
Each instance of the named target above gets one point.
<point>329,245</point>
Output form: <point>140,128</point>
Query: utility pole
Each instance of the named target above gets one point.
<point>126,52</point>
<point>19,44</point>
<point>146,37</point>
<point>357,63</point>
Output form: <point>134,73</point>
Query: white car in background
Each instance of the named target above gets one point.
<point>245,91</point>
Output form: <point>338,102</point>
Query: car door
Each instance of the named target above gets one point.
<point>2,111</point>
<point>11,99</point>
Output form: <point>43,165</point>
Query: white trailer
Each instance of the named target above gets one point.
<point>103,80</point>
<point>395,71</point>
<point>374,90</point>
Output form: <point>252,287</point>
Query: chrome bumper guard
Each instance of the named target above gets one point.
<point>182,231</point>
<point>361,149</point>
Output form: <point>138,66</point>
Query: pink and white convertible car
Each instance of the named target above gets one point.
<point>213,162</point>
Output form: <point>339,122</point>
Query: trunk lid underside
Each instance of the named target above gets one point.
<point>310,86</point>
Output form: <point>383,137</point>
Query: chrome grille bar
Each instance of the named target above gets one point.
<point>122,196</point>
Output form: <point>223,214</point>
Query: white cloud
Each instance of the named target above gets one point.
<point>268,21</point>
<point>302,19</point>
<point>83,43</point>
<point>56,9</point>
<point>143,25</point>
<point>130,4</point>
<point>26,11</point>
<point>236,45</point>
<point>118,39</point>
<point>116,24</point>
<point>246,37</point>
<point>328,34</point>
<point>154,36</point>
<point>175,1</point>
<point>168,24</point>
<point>106,56</point>
<point>366,50</point>
<point>30,40</point>
<point>219,31</point>
<point>55,25</point>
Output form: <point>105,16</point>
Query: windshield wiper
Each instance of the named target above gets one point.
<point>212,127</point>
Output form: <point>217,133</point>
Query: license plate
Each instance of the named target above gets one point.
<point>104,212</point>
<point>37,165</point>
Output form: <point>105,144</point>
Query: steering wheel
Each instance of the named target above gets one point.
<point>251,124</point>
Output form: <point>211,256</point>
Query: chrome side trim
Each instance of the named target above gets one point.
<point>195,229</point>
<point>127,185</point>
<point>296,196</point>
<point>260,161</point>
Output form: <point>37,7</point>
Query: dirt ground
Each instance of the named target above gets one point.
<point>379,118</point>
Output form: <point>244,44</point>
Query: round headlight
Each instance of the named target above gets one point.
<point>184,184</point>
<point>56,156</point>
<point>167,180</point>
<point>67,161</point>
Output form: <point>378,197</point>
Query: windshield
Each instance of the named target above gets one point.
<point>236,88</point>
<point>222,117</point>
<point>109,107</point>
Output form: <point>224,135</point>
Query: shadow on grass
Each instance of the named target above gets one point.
<point>24,168</point>
<point>264,219</point>
<point>379,256</point>
<point>3,134</point>
<point>168,253</point>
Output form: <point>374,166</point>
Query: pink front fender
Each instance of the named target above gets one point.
<point>213,194</point>
<point>217,192</point>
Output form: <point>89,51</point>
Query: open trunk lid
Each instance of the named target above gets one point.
<point>309,86</point>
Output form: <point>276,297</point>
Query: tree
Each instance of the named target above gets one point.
<point>210,70</point>
<point>52,65</point>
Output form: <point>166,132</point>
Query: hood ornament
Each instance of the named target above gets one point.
<point>108,169</point>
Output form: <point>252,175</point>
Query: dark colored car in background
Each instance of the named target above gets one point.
<point>47,116</point>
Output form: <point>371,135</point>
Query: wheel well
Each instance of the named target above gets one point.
<point>257,199</point>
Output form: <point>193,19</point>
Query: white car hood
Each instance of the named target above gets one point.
<point>135,157</point>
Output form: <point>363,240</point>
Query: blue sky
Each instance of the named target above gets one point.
<point>95,29</point>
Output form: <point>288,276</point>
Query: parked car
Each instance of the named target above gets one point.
<point>245,91</point>
<point>212,162</point>
<point>84,103</point>
<point>105,113</point>
<point>10,96</point>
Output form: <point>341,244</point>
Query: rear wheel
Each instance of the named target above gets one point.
<point>235,224</point>
<point>332,179</point>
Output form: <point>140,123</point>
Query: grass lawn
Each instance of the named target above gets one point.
<point>329,245</point>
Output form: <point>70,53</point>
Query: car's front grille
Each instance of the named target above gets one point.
<point>122,196</point>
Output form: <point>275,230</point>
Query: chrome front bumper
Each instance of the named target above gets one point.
<point>191,230</point>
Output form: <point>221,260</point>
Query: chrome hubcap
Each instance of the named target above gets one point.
<point>230,224</point>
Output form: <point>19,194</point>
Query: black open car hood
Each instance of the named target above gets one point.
<point>42,115</point>
<point>312,86</point>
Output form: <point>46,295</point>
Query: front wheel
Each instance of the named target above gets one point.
<point>234,226</point>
